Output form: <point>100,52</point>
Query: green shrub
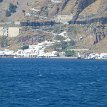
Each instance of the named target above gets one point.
<point>69,53</point>
<point>4,41</point>
<point>25,47</point>
<point>8,13</point>
<point>12,8</point>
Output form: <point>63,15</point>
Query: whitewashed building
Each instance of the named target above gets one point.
<point>103,56</point>
<point>56,1</point>
<point>63,18</point>
<point>9,31</point>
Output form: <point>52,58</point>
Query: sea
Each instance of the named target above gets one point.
<point>53,83</point>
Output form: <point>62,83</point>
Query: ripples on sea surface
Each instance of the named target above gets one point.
<point>53,83</point>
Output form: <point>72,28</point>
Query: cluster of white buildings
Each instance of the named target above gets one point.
<point>7,52</point>
<point>97,56</point>
<point>38,51</point>
<point>34,51</point>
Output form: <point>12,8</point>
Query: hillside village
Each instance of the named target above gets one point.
<point>67,25</point>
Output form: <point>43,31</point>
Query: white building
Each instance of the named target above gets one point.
<point>35,10</point>
<point>1,53</point>
<point>103,56</point>
<point>27,53</point>
<point>97,56</point>
<point>56,1</point>
<point>36,51</point>
<point>63,18</point>
<point>93,56</point>
<point>7,52</point>
<point>9,31</point>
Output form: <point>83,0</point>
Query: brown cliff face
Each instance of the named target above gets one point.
<point>101,28</point>
<point>75,7</point>
<point>102,11</point>
<point>80,5</point>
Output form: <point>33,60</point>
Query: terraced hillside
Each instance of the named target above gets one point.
<point>88,15</point>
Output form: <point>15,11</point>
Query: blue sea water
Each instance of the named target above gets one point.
<point>53,83</point>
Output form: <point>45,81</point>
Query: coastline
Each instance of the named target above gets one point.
<point>73,58</point>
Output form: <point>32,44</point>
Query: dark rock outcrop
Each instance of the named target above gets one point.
<point>80,5</point>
